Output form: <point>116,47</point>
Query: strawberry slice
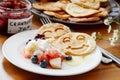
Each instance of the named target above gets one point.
<point>52,53</point>
<point>26,54</point>
<point>42,56</point>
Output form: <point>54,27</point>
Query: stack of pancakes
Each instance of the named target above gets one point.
<point>74,10</point>
<point>72,43</point>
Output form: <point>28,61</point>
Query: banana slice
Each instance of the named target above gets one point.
<point>31,46</point>
<point>78,11</point>
<point>76,60</point>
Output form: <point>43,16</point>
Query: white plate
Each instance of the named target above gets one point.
<point>12,51</point>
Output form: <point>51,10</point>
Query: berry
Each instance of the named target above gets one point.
<point>2,23</point>
<point>43,63</point>
<point>15,4</point>
<point>42,56</point>
<point>28,41</point>
<point>40,36</point>
<point>34,59</point>
<point>68,57</point>
<point>23,4</point>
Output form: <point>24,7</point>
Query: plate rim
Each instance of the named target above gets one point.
<point>57,74</point>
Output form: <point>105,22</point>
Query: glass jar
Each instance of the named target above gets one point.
<point>15,16</point>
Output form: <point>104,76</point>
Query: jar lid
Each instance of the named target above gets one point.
<point>29,6</point>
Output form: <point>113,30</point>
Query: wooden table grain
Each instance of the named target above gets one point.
<point>102,72</point>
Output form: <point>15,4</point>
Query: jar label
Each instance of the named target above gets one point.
<point>18,25</point>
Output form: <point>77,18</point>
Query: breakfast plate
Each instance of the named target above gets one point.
<point>12,51</point>
<point>114,13</point>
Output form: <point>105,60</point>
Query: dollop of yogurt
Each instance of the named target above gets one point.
<point>43,44</point>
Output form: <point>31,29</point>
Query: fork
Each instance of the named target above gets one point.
<point>45,20</point>
<point>109,56</point>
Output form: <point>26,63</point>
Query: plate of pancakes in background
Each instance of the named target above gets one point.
<point>77,12</point>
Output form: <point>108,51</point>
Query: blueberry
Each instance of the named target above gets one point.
<point>68,57</point>
<point>28,41</point>
<point>43,64</point>
<point>35,56</point>
<point>34,59</point>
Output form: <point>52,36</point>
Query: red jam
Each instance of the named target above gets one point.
<point>15,10</point>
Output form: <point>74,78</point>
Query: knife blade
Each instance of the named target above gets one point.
<point>110,55</point>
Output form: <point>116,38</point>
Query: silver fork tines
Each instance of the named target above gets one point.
<point>45,20</point>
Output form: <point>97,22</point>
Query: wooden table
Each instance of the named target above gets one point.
<point>101,72</point>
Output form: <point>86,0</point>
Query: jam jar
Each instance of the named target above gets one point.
<point>15,16</point>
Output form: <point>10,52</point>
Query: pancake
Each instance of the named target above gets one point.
<point>78,11</point>
<point>87,19</point>
<point>103,0</point>
<point>53,30</point>
<point>93,4</point>
<point>50,6</point>
<point>58,14</point>
<point>75,44</point>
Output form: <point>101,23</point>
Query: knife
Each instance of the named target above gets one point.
<point>110,55</point>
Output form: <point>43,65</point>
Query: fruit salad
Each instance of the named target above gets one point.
<point>42,53</point>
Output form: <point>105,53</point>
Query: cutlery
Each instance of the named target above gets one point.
<point>110,55</point>
<point>39,13</point>
<point>106,60</point>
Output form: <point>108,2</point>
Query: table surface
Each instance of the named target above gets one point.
<point>102,72</point>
